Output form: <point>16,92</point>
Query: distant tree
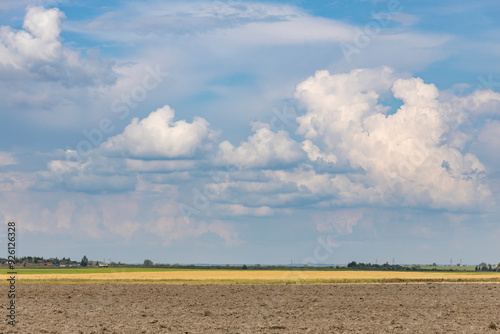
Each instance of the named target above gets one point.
<point>353,264</point>
<point>244,267</point>
<point>434,264</point>
<point>84,262</point>
<point>148,262</point>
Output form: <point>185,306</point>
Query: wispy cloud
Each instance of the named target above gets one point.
<point>7,158</point>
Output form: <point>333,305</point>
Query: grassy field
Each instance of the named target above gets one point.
<point>456,268</point>
<point>201,276</point>
<point>65,271</point>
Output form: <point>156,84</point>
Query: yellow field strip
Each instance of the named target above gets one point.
<point>249,275</point>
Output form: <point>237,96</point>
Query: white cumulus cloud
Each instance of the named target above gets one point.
<point>264,149</point>
<point>36,51</point>
<point>400,157</point>
<point>38,41</point>
<point>158,136</point>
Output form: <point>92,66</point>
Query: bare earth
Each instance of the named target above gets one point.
<point>337,308</point>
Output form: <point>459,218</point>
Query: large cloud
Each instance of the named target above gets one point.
<point>38,41</point>
<point>38,53</point>
<point>398,158</point>
<point>159,137</point>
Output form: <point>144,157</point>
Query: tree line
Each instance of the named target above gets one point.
<point>84,262</point>
<point>484,267</point>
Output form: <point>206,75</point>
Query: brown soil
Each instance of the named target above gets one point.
<point>340,308</point>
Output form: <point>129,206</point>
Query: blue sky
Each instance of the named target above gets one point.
<point>251,132</point>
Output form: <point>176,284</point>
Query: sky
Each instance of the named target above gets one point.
<point>271,132</point>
